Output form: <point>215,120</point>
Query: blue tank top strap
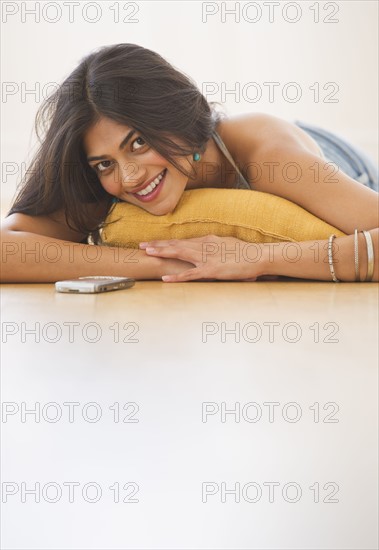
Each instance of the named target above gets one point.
<point>242,184</point>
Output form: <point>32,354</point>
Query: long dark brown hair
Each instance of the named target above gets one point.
<point>131,85</point>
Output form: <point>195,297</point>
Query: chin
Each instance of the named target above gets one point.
<point>162,209</point>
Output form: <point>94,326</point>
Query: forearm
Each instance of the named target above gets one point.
<point>309,259</point>
<point>30,258</point>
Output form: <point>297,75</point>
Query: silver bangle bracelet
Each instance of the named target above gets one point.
<point>356,256</point>
<point>370,256</point>
<point>330,259</point>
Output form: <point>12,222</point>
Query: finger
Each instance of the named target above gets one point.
<point>188,275</point>
<point>156,243</point>
<point>181,253</point>
<point>171,242</point>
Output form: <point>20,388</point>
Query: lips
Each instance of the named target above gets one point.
<point>155,192</point>
<point>147,184</point>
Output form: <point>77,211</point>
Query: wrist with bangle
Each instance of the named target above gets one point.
<point>370,257</point>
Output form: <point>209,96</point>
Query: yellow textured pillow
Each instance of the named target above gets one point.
<point>251,216</point>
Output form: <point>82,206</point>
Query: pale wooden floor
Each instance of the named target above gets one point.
<point>169,371</point>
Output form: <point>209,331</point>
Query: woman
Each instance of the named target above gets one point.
<point>126,125</point>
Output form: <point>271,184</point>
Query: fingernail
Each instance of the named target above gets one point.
<point>143,244</point>
<point>150,250</point>
<point>166,278</point>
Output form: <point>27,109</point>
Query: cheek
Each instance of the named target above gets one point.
<point>154,157</point>
<point>109,183</point>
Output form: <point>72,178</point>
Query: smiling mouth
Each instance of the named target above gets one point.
<point>152,185</point>
<point>151,190</point>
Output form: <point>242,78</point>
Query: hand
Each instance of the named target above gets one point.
<point>214,258</point>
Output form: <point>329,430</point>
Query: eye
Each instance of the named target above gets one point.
<point>103,166</point>
<point>139,139</point>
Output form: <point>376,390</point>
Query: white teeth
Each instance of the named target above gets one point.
<point>151,185</point>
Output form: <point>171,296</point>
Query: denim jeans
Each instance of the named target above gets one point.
<point>349,158</point>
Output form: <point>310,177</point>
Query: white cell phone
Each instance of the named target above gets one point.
<point>94,284</point>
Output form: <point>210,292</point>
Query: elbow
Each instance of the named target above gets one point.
<point>10,263</point>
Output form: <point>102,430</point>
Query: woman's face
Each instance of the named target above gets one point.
<point>131,170</point>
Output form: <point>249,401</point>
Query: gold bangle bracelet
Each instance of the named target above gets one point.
<point>356,255</point>
<point>370,256</point>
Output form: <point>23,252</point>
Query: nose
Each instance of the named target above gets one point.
<point>132,176</point>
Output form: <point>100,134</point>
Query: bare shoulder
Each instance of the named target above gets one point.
<point>246,134</point>
<point>337,198</point>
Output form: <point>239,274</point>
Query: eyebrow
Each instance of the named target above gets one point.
<point>121,146</point>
